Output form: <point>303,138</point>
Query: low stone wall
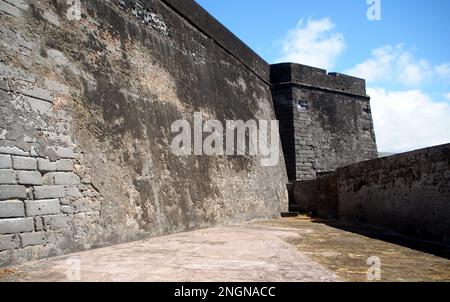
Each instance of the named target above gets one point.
<point>408,193</point>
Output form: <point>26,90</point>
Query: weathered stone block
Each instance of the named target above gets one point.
<point>49,192</point>
<point>46,165</point>
<point>8,177</point>
<point>55,222</point>
<point>48,179</point>
<point>9,242</point>
<point>69,179</point>
<point>66,201</point>
<point>82,205</point>
<point>36,93</point>
<point>73,192</point>
<point>13,151</point>
<point>57,87</point>
<point>24,163</point>
<point>66,153</point>
<point>12,192</point>
<point>4,85</point>
<point>29,178</point>
<point>40,106</point>
<point>22,4</point>
<point>12,209</point>
<point>37,238</point>
<point>64,165</point>
<point>67,210</point>
<point>30,195</point>
<point>10,71</point>
<point>42,207</point>
<point>9,9</point>
<point>5,161</point>
<point>38,224</point>
<point>16,225</point>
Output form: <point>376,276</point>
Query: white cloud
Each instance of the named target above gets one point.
<point>395,64</point>
<point>314,43</point>
<point>447,96</point>
<point>408,120</point>
<point>443,70</point>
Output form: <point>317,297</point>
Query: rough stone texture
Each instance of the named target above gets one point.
<point>13,150</point>
<point>408,193</point>
<point>325,119</point>
<point>33,238</point>
<point>4,85</point>
<point>12,191</point>
<point>316,198</point>
<point>36,93</point>
<point>55,222</point>
<point>16,225</point>
<point>89,104</point>
<point>5,162</point>
<point>64,165</point>
<point>24,163</point>
<point>38,224</point>
<point>327,196</point>
<point>62,178</point>
<point>8,177</point>
<point>29,178</point>
<point>67,210</point>
<point>9,242</point>
<point>42,207</point>
<point>304,197</point>
<point>9,9</point>
<point>46,165</point>
<point>12,209</point>
<point>46,192</point>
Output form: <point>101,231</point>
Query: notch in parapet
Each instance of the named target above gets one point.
<point>317,78</point>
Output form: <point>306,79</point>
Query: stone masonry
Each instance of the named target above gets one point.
<point>408,193</point>
<point>325,119</point>
<point>86,111</point>
<point>86,108</point>
<point>38,181</point>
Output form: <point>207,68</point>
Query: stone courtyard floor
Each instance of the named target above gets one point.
<point>288,249</point>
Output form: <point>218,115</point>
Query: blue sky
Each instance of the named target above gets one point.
<point>405,56</point>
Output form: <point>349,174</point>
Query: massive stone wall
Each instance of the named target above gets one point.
<point>326,120</point>
<point>409,193</point>
<point>86,112</point>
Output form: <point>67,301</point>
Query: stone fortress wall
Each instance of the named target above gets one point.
<point>86,112</point>
<point>325,119</point>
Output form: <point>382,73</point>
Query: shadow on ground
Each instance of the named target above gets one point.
<point>345,249</point>
<point>429,247</point>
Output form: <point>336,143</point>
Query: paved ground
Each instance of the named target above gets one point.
<point>292,249</point>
